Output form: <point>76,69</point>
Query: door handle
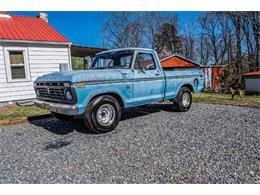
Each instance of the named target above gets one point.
<point>157,74</point>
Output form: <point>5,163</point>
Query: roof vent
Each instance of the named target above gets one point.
<point>43,16</point>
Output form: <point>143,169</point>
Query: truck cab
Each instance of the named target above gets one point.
<point>116,80</point>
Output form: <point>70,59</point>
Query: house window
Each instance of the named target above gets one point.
<point>17,64</point>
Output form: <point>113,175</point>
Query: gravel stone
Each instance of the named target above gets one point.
<point>208,144</point>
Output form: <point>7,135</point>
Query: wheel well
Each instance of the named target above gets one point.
<point>189,86</point>
<point>115,95</point>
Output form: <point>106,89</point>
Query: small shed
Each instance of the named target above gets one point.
<point>178,61</point>
<point>213,73</point>
<point>252,82</point>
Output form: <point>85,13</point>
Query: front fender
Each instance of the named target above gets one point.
<point>86,93</point>
<point>103,93</point>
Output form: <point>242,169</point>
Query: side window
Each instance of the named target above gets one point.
<point>17,64</point>
<point>144,61</point>
<point>104,62</point>
<point>125,61</point>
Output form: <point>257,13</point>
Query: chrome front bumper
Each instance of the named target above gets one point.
<point>65,109</point>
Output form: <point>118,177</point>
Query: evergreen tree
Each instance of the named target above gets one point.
<point>167,40</point>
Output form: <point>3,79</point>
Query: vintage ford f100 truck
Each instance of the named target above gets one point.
<point>116,80</point>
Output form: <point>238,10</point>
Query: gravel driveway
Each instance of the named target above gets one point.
<point>208,144</point>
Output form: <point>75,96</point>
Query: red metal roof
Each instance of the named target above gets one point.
<point>252,73</point>
<point>29,29</point>
<point>176,60</point>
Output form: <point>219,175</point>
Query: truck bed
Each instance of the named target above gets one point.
<point>177,77</point>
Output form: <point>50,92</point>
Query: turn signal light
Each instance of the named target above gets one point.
<point>80,84</point>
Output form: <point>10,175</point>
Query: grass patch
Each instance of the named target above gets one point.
<point>14,111</point>
<point>216,98</point>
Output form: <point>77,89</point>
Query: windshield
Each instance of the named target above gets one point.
<point>113,60</point>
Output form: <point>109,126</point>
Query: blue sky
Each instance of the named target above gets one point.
<point>83,27</point>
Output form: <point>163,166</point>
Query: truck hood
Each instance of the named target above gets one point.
<point>83,75</point>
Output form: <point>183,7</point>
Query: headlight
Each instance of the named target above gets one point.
<point>66,84</point>
<point>68,96</point>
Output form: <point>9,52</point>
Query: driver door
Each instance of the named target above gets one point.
<point>148,80</point>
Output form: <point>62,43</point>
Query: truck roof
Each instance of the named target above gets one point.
<point>124,49</point>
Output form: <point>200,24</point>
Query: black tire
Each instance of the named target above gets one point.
<point>102,114</point>
<point>179,103</point>
<point>61,117</point>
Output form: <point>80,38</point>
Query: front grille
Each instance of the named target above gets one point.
<point>52,91</point>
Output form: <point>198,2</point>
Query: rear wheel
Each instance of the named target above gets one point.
<point>61,117</point>
<point>183,100</point>
<point>102,114</point>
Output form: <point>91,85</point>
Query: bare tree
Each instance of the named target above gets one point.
<point>156,30</point>
<point>122,29</point>
<point>152,23</point>
<point>212,38</point>
<point>248,38</point>
<point>203,51</point>
<point>211,29</point>
<point>250,25</point>
<point>190,41</point>
<point>236,19</point>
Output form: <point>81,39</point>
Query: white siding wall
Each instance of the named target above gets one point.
<point>42,60</point>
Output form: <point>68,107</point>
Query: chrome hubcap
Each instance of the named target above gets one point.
<point>106,114</point>
<point>185,99</point>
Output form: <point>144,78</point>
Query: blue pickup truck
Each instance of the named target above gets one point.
<point>116,80</point>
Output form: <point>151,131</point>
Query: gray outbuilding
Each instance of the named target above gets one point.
<point>252,81</point>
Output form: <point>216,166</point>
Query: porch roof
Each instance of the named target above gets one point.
<point>83,51</point>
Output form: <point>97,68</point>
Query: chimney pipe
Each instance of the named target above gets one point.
<point>43,16</point>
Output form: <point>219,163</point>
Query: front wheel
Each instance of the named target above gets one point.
<point>183,100</point>
<point>102,114</point>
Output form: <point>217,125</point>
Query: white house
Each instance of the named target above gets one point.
<point>30,47</point>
